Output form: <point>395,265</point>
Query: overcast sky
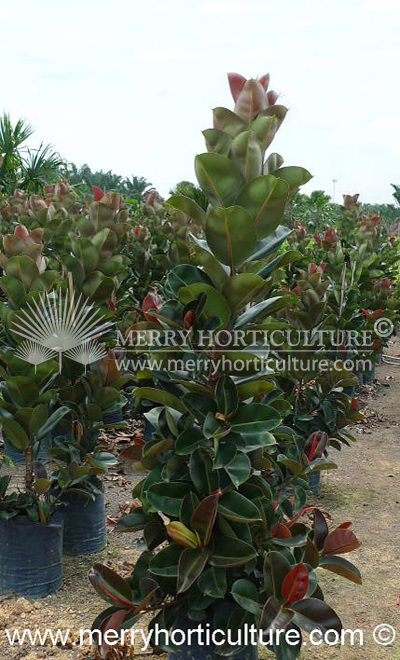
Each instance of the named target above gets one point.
<point>129,85</point>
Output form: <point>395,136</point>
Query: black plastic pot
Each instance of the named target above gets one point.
<point>148,430</point>
<point>85,530</point>
<point>195,651</point>
<point>31,556</point>
<point>115,417</point>
<point>314,480</point>
<point>18,457</point>
<point>369,377</point>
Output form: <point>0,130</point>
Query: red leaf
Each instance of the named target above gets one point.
<point>340,541</point>
<point>320,529</point>
<point>98,193</point>
<point>280,531</point>
<point>204,516</point>
<point>236,84</point>
<point>295,584</point>
<point>345,525</point>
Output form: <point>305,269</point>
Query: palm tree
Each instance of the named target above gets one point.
<point>136,187</point>
<point>21,167</point>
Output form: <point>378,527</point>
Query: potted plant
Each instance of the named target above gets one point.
<point>30,526</point>
<point>225,546</point>
<point>81,463</point>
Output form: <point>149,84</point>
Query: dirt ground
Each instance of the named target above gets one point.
<point>365,489</point>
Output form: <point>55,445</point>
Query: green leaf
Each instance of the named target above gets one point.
<point>271,244</point>
<point>38,418</point>
<point>22,390</point>
<point>229,552</point>
<point>199,405</point>
<point>236,507</point>
<point>189,207</point>
<point>227,121</point>
<point>189,440</point>
<point>239,469</point>
<point>24,269</point>
<point>265,199</point>
<point>246,153</point>
<point>213,582</point>
<point>159,396</point>
<point>255,418</point>
<point>254,388</point>
<point>264,308</point>
<point>281,260</point>
<point>246,595</point>
<point>42,485</point>
<point>167,496</point>
<point>241,289</point>
<point>133,522</point>
<point>220,179</point>
<point>217,141</point>
<point>294,176</point>
<point>273,617</point>
<point>341,567</point>
<point>314,614</point>
<point>215,306</point>
<point>52,421</point>
<point>15,434</point>
<point>226,396</point>
<point>190,567</point>
<point>111,586</point>
<point>165,562</point>
<point>231,234</point>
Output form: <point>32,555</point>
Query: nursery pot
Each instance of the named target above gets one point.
<point>85,529</point>
<point>369,377</point>
<point>31,556</point>
<point>115,417</point>
<point>314,480</point>
<point>195,651</point>
<point>18,457</point>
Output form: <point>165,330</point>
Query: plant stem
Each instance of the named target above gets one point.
<point>29,475</point>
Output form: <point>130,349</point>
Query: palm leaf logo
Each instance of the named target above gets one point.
<point>60,326</point>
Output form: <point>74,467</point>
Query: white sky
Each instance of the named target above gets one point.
<point>128,85</point>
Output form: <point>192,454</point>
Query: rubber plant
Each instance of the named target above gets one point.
<point>225,544</point>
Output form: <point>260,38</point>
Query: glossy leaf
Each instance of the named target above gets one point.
<point>295,584</point>
<point>265,199</point>
<point>165,562</point>
<point>294,176</point>
<point>239,469</point>
<point>238,508</point>
<point>229,552</point>
<point>110,586</point>
<point>213,582</point>
<point>203,518</point>
<point>340,541</point>
<point>246,153</point>
<point>167,497</point>
<point>189,207</point>
<point>15,434</point>
<point>314,614</point>
<point>219,178</point>
<point>246,595</point>
<point>231,234</point>
<point>255,418</point>
<point>341,567</point>
<point>190,567</point>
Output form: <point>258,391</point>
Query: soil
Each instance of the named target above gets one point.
<point>365,489</point>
